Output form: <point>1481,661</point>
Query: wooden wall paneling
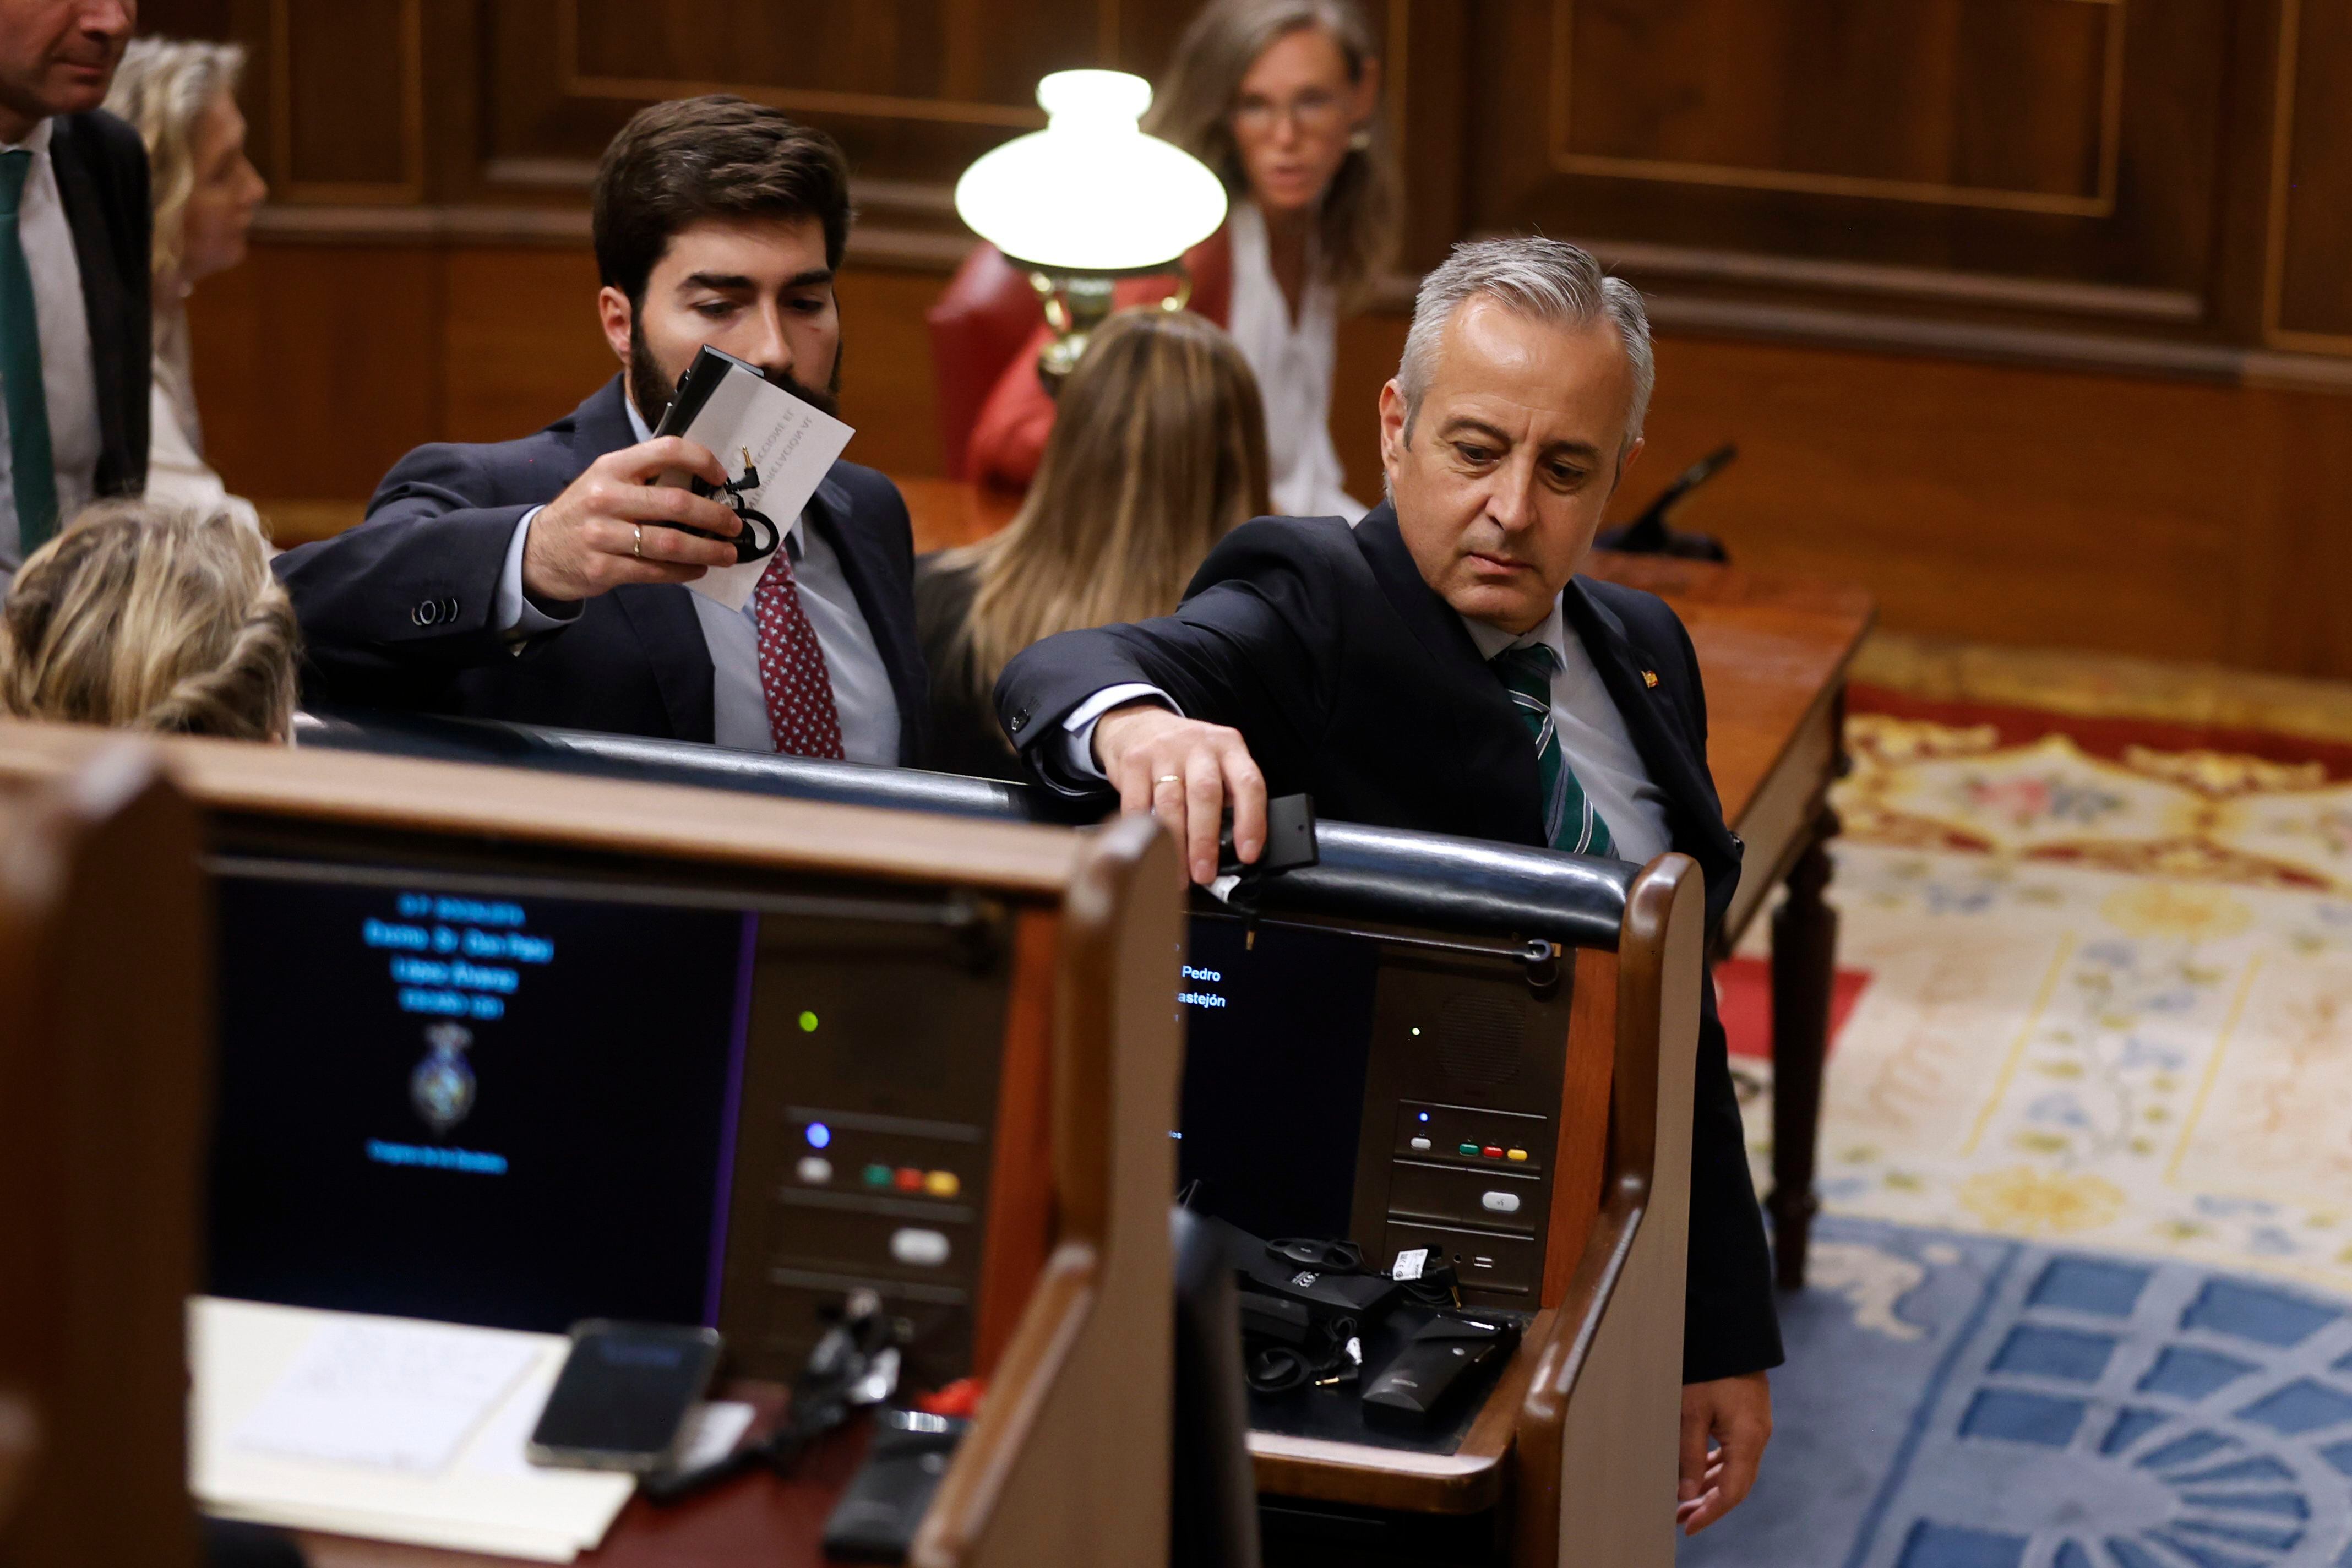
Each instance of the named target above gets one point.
<point>347,82</point>
<point>521,340</point>
<point>1895,103</point>
<point>914,90</point>
<point>2308,293</point>
<point>886,390</point>
<point>1429,56</point>
<point>1370,347</point>
<point>2009,505</point>
<point>317,367</point>
<point>2070,141</point>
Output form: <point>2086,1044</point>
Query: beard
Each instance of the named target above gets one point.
<point>653,392</point>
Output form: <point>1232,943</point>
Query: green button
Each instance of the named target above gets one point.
<point>1469,1149</point>
<point>880,1175</point>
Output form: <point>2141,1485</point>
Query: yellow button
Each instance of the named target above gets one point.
<point>1515,1154</point>
<point>942,1185</point>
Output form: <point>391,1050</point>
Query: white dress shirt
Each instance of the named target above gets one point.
<point>69,376</point>
<point>177,474</point>
<point>861,682</point>
<point>1593,739</point>
<point>1293,360</point>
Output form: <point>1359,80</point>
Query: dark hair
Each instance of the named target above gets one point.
<point>677,163</point>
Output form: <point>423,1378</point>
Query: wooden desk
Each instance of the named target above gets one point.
<point>772,1520</point>
<point>1773,652</point>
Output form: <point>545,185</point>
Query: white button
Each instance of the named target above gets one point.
<point>1421,1145</point>
<point>919,1248</point>
<point>1501,1203</point>
<point>816,1172</point>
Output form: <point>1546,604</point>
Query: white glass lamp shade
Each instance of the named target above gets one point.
<point>1091,192</point>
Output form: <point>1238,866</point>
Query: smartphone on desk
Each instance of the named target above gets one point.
<point>621,1400</point>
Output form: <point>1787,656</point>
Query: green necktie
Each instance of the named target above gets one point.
<point>32,471</point>
<point>1569,821</point>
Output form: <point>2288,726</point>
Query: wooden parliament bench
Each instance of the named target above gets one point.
<point>1032,960</point>
<point>1559,994</point>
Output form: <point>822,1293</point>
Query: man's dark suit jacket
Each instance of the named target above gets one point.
<point>398,612</point>
<point>101,170</point>
<point>1353,680</point>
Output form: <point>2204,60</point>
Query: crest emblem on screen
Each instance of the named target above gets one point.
<point>442,1087</point>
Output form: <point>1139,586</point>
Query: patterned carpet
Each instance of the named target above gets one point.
<point>2083,1298</point>
<point>2099,999</point>
<point>1958,1401</point>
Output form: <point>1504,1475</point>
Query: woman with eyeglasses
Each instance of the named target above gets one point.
<point>1281,97</point>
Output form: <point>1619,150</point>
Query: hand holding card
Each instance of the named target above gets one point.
<point>773,450</point>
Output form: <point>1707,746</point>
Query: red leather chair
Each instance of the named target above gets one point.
<point>990,314</point>
<point>987,314</point>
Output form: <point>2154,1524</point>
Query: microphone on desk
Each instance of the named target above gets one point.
<point>1650,534</point>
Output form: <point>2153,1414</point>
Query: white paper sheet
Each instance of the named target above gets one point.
<point>489,1499</point>
<point>751,426</point>
<point>383,1391</point>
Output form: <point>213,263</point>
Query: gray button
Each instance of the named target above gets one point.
<point>1421,1145</point>
<point>1500,1203</point>
<point>919,1248</point>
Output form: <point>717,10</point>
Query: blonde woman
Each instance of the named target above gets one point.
<point>182,96</point>
<point>1282,99</point>
<point>152,617</point>
<point>1158,453</point>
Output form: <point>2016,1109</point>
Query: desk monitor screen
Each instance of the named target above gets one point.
<point>1399,1089</point>
<point>506,1109</point>
<point>522,1099</point>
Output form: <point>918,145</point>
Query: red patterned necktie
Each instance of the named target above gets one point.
<point>802,719</point>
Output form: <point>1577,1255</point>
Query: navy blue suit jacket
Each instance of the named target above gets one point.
<point>397,611</point>
<point>1353,680</point>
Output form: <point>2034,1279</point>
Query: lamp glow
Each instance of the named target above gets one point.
<point>1091,192</point>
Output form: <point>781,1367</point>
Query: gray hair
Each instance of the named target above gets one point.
<point>1546,279</point>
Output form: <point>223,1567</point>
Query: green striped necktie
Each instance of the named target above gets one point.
<point>1569,821</point>
<point>32,472</point>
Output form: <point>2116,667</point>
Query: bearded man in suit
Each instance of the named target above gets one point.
<point>1441,666</point>
<point>539,581</point>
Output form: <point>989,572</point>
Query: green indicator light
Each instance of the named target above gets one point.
<point>808,1023</point>
<point>877,1176</point>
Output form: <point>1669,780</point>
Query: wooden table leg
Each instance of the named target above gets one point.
<point>1804,965</point>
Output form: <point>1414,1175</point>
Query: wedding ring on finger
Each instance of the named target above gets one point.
<point>1169,778</point>
<point>637,540</point>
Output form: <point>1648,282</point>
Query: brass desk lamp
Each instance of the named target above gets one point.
<point>1089,200</point>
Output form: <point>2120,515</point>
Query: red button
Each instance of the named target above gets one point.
<point>908,1180</point>
<point>1491,1152</point>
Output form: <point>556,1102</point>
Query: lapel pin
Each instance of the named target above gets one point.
<point>1650,677</point>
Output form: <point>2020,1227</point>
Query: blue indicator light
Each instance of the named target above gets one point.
<point>819,1134</point>
<point>1424,1116</point>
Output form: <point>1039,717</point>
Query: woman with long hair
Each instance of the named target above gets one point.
<point>182,97</point>
<point>147,616</point>
<point>1282,99</point>
<point>1160,452</point>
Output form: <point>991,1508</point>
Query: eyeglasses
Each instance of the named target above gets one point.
<point>1315,113</point>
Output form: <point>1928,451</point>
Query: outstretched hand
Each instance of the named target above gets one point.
<point>1184,772</point>
<point>1735,1415</point>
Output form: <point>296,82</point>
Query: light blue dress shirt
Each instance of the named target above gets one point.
<point>861,682</point>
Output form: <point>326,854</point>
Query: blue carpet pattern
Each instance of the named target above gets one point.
<point>1965,1402</point>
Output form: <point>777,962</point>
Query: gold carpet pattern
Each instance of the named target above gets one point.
<point>2109,998</point>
